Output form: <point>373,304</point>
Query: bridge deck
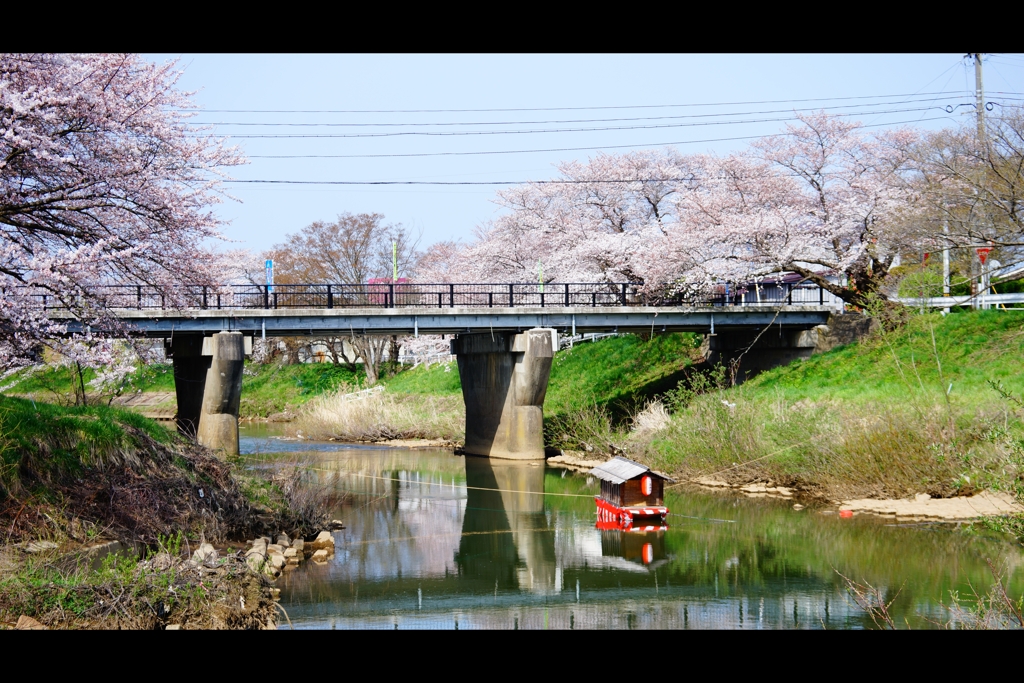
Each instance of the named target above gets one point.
<point>403,321</point>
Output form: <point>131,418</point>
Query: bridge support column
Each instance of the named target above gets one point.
<point>218,423</point>
<point>190,366</point>
<point>504,381</point>
<point>208,386</point>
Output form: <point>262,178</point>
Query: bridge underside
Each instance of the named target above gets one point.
<point>405,321</point>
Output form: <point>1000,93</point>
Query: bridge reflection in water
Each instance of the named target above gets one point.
<point>437,541</point>
<point>505,532</point>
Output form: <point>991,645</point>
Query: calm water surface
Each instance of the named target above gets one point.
<point>435,540</point>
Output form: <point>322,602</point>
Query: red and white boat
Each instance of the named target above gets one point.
<point>631,495</point>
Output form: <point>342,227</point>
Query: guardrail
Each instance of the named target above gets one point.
<point>979,300</point>
<point>446,295</point>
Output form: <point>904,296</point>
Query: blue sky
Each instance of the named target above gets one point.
<point>722,96</point>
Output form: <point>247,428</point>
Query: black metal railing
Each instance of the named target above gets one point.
<point>444,295</point>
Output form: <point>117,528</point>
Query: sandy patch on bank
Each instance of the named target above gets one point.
<point>921,507</point>
<point>755,490</point>
<point>416,443</point>
<point>576,463</point>
<point>924,507</point>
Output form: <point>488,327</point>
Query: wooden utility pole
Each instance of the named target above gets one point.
<point>979,99</point>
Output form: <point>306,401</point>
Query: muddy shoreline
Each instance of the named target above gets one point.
<point>919,508</point>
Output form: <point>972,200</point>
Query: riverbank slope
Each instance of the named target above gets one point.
<point>81,483</point>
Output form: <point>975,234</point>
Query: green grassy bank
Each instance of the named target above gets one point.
<point>266,389</point>
<point>614,373</point>
<point>932,407</point>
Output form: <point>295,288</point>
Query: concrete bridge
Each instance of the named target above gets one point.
<point>504,337</point>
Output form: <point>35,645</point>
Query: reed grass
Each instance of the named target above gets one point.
<point>381,416</point>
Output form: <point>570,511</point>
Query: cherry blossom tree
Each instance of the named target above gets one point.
<point>585,226</point>
<point>102,181</point>
<point>822,199</point>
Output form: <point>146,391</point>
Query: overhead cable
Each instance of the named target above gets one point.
<point>514,123</point>
<point>419,133</point>
<point>592,108</point>
<point>554,149</point>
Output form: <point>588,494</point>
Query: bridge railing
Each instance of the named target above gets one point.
<point>440,295</point>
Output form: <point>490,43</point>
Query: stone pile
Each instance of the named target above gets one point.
<point>274,558</point>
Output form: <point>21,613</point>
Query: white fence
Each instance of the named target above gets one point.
<point>977,301</point>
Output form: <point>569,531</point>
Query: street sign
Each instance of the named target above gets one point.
<point>270,275</point>
<point>983,253</point>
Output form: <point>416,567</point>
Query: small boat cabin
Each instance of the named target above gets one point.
<point>630,490</point>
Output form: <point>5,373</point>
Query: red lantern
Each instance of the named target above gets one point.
<point>646,485</point>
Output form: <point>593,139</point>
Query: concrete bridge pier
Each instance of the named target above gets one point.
<point>190,367</point>
<point>218,422</point>
<point>504,380</point>
<point>208,386</point>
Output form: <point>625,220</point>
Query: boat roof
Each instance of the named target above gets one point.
<point>619,469</point>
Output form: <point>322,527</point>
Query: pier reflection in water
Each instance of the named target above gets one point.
<point>438,541</point>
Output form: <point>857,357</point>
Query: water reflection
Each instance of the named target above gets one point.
<point>436,541</point>
<point>505,534</point>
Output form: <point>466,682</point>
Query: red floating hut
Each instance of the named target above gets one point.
<point>630,492</point>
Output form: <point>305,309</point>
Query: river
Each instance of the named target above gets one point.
<point>438,541</point>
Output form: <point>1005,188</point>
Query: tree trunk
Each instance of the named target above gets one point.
<point>79,385</point>
<point>862,292</point>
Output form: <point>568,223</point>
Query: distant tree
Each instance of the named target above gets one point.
<point>974,188</point>
<point>102,181</point>
<point>352,250</point>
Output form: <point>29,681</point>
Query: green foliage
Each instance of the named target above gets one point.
<point>617,373</point>
<point>439,379</point>
<point>920,281</point>
<point>699,384</point>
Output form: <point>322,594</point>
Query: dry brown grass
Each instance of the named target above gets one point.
<point>381,416</point>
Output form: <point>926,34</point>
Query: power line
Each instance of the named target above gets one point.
<point>462,182</point>
<point>514,123</point>
<point>587,181</point>
<point>555,149</point>
<point>636,106</point>
<point>417,133</point>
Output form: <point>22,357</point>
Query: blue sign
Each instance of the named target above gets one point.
<point>270,275</point>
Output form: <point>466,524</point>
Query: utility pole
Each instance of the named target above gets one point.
<point>979,104</point>
<point>979,97</point>
<point>945,263</point>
